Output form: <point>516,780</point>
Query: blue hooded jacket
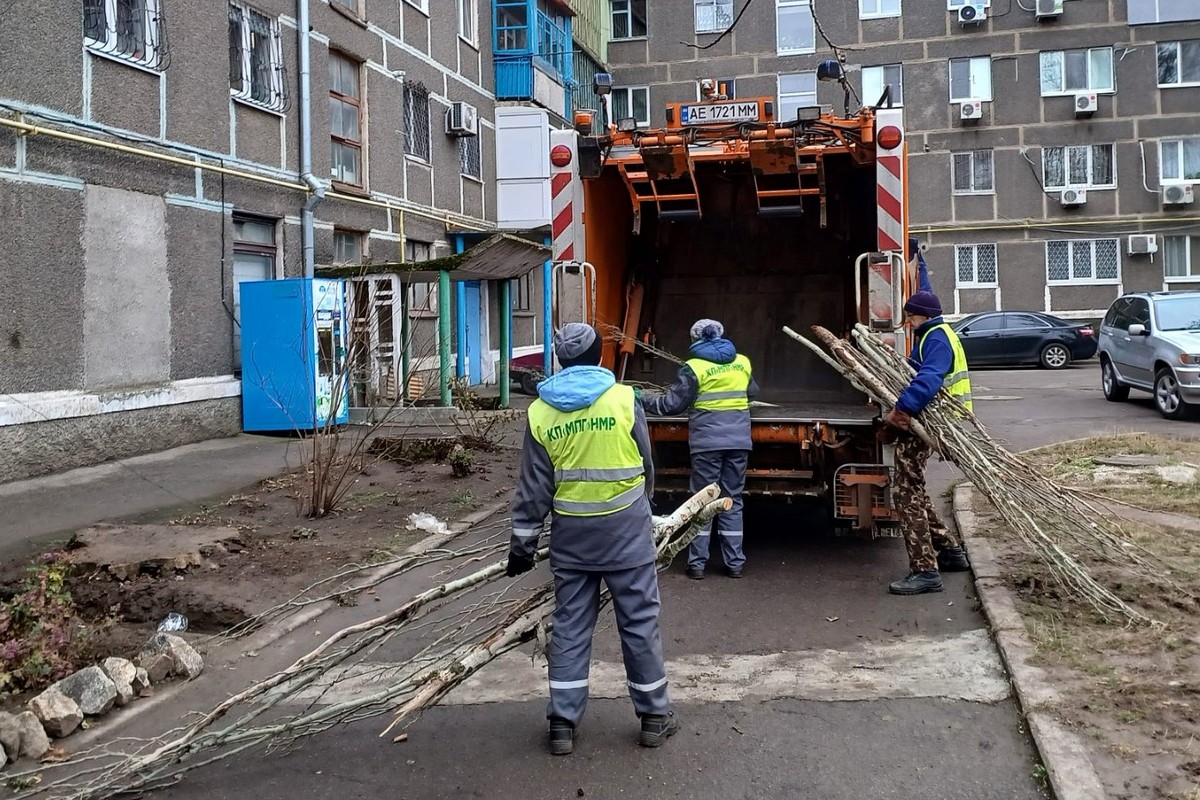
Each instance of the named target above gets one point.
<point>610,542</point>
<point>933,358</point>
<point>707,430</point>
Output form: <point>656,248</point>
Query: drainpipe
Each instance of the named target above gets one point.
<point>310,180</point>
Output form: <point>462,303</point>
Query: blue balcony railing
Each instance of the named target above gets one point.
<point>514,76</point>
<point>554,46</point>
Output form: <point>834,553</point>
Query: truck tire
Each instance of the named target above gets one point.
<point>1114,390</point>
<point>1166,395</point>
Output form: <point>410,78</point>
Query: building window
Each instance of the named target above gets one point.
<point>468,20</point>
<point>1086,166</point>
<point>469,161</point>
<point>1066,71</point>
<point>628,19</point>
<point>1083,261</point>
<point>870,9</point>
<point>522,296</point>
<point>874,79</point>
<point>1177,257</point>
<point>796,90</point>
<point>422,297</point>
<point>347,247</point>
<point>956,4</point>
<point>713,16</point>
<point>632,101</point>
<point>974,172</point>
<point>794,27</point>
<point>1179,160</point>
<point>512,25</point>
<point>255,58</point>
<point>416,120</point>
<point>970,79</point>
<point>353,6</point>
<point>1179,63</point>
<point>345,110</point>
<point>130,29</point>
<point>254,254</point>
<point>975,265</point>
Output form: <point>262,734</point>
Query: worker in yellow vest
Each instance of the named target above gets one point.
<point>715,387</point>
<point>586,461</point>
<point>940,362</point>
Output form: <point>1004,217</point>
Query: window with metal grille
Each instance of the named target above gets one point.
<point>1181,258</point>
<point>256,58</point>
<point>345,111</point>
<point>1067,71</point>
<point>469,161</point>
<point>713,16</point>
<point>416,120</point>
<point>794,27</point>
<point>130,29</point>
<point>874,79</point>
<point>1088,166</point>
<point>1083,261</point>
<point>975,264</point>
<point>628,19</point>
<point>973,172</point>
<point>1179,160</point>
<point>1179,63</point>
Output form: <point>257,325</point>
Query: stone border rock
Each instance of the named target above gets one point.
<point>1067,764</point>
<point>273,633</point>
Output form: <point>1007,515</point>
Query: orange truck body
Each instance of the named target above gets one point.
<point>758,224</point>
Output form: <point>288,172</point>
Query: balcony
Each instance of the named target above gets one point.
<point>533,54</point>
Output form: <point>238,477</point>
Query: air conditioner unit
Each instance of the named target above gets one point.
<point>1178,194</point>
<point>1143,244</point>
<point>972,13</point>
<point>462,119</point>
<point>970,109</point>
<point>1049,9</point>
<point>1086,104</point>
<point>1073,197</point>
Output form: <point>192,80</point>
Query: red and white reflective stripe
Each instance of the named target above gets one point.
<point>562,217</point>
<point>889,170</point>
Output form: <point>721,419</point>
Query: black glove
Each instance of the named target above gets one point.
<point>518,565</point>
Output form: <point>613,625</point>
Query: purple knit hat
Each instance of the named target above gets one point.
<point>924,303</point>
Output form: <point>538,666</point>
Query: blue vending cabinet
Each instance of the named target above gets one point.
<point>294,354</point>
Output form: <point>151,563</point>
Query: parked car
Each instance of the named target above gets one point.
<point>997,338</point>
<point>1151,341</point>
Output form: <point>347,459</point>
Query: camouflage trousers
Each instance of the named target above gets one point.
<point>922,528</point>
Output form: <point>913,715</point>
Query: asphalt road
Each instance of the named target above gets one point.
<point>803,680</point>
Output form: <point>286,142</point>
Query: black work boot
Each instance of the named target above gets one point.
<point>918,583</point>
<point>656,728</point>
<point>953,559</point>
<point>562,737</point>
<point>695,573</point>
<point>734,572</point>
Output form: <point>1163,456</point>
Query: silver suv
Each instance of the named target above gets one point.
<point>1151,341</point>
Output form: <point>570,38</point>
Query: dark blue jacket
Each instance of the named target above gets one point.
<point>933,358</point>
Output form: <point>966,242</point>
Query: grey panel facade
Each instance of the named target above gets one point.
<point>1019,215</point>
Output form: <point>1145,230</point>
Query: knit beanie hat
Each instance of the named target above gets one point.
<point>578,344</point>
<point>707,329</point>
<point>924,303</point>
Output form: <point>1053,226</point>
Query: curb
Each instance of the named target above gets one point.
<point>273,633</point>
<point>1068,766</point>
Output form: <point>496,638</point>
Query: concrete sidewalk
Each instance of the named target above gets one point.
<point>36,511</point>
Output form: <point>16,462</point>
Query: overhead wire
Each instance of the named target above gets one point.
<point>724,33</point>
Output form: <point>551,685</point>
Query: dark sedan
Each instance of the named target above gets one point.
<point>999,338</point>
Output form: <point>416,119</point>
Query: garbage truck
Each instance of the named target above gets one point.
<point>727,211</point>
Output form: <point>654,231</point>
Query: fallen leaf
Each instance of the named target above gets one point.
<point>54,755</point>
<point>832,619</point>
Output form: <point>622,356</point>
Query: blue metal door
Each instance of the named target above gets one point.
<point>474,334</point>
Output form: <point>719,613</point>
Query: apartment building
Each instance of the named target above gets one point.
<point>156,153</point>
<point>1053,144</point>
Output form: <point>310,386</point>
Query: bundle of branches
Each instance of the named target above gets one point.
<point>1056,522</point>
<point>479,621</point>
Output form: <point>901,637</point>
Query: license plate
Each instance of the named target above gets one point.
<point>707,113</point>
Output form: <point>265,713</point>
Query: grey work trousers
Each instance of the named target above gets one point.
<point>636,603</point>
<point>727,468</point>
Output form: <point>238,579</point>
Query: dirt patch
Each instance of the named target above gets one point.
<point>1132,693</point>
<point>253,550</point>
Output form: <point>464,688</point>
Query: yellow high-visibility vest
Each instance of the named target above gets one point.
<point>722,386</point>
<point>958,381</point>
<point>597,465</point>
